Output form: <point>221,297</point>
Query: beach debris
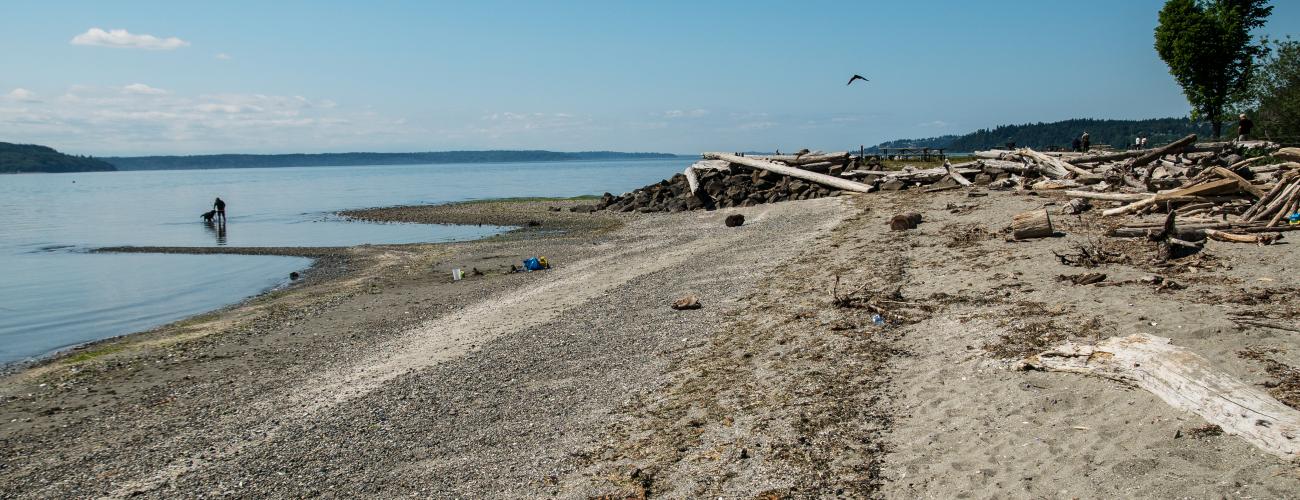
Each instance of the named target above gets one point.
<point>457,274</point>
<point>904,221</point>
<point>734,220</point>
<point>1083,279</point>
<point>293,276</point>
<point>474,271</point>
<point>536,264</point>
<point>532,223</point>
<point>1076,206</point>
<point>688,302</point>
<point>1031,224</point>
<point>1186,381</point>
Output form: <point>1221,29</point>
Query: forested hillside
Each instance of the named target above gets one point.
<point>1057,135</point>
<point>20,158</point>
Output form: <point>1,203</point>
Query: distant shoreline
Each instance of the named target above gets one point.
<point>200,162</point>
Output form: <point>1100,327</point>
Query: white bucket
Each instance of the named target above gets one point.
<point>457,274</point>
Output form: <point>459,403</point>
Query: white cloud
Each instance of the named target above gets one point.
<point>223,56</point>
<point>142,89</point>
<point>22,95</point>
<point>691,113</point>
<point>109,121</point>
<point>123,39</point>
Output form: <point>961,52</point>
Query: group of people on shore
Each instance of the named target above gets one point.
<point>1081,144</point>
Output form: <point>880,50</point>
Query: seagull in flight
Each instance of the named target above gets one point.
<point>855,78</point>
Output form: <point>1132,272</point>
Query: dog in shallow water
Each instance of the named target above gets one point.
<point>207,216</point>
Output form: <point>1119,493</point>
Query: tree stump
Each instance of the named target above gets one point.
<point>905,221</point>
<point>1032,224</point>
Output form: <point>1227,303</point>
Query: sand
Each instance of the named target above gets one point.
<point>379,376</point>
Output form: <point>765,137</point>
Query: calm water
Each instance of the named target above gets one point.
<point>53,294</point>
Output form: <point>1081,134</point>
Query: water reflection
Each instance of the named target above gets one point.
<point>218,230</point>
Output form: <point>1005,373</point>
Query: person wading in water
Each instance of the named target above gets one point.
<point>220,207</point>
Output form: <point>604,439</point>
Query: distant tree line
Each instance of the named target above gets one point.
<point>1057,135</point>
<point>20,158</point>
<point>353,159</point>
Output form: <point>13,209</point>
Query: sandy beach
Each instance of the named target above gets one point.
<point>376,375</point>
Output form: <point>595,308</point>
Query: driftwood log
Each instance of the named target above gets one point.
<point>904,221</point>
<point>1173,147</point>
<point>1032,224</point>
<point>825,180</point>
<point>1185,381</point>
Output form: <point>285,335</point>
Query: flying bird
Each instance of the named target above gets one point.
<point>855,78</point>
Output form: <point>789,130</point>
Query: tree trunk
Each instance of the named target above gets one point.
<point>1032,224</point>
<point>1187,382</point>
<point>825,180</point>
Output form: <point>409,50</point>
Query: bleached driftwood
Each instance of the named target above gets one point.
<point>1031,224</point>
<point>1288,154</point>
<point>693,180</point>
<point>825,180</point>
<point>1213,187</point>
<point>1185,381</point>
<point>837,158</point>
<point>1053,167</point>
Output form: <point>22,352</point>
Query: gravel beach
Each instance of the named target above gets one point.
<point>379,376</point>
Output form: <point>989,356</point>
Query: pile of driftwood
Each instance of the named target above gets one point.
<point>1213,189</point>
<point>731,180</point>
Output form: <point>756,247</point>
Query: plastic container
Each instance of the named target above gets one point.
<point>457,274</point>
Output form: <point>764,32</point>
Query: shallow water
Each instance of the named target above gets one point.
<point>54,294</point>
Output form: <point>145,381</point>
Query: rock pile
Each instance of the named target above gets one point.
<point>733,187</point>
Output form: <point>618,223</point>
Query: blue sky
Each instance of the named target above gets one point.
<point>270,77</point>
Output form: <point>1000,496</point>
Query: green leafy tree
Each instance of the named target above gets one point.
<point>1210,52</point>
<point>1277,93</point>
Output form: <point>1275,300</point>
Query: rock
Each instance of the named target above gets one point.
<point>532,223</point>
<point>734,220</point>
<point>293,276</point>
<point>553,209</point>
<point>687,302</point>
<point>585,209</point>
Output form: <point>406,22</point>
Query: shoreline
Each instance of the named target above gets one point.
<point>334,262</point>
<point>581,381</point>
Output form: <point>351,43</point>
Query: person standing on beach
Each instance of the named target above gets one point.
<point>1085,141</point>
<point>1076,145</point>
<point>1244,125</point>
<point>220,207</point>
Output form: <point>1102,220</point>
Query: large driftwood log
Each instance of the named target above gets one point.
<point>1187,382</point>
<point>1053,167</point>
<point>1092,195</point>
<point>836,158</point>
<point>1245,184</point>
<point>1107,157</point>
<point>1173,147</point>
<point>825,180</point>
<point>1288,154</point>
<point>1032,224</point>
<point>952,172</point>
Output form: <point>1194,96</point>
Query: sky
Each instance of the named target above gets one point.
<point>141,78</point>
